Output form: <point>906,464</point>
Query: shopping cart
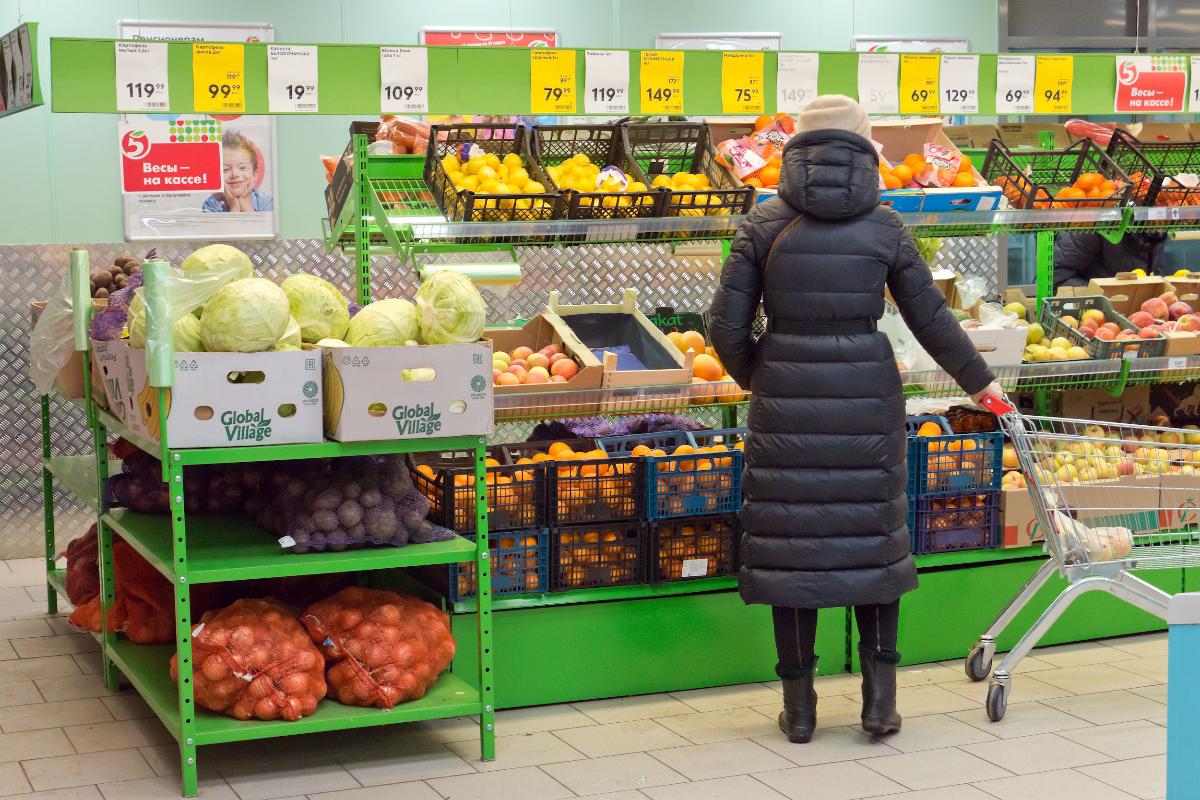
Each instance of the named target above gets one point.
<point>1110,498</point>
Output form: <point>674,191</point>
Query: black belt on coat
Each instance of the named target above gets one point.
<point>829,326</point>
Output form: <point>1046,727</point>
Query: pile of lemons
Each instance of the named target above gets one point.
<point>491,175</point>
<point>691,182</point>
<point>579,174</point>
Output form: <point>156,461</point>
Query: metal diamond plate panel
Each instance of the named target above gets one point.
<point>684,277</point>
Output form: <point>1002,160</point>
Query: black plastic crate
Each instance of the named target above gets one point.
<point>667,148</point>
<point>520,564</point>
<point>694,547</point>
<point>1055,308</point>
<point>596,555</point>
<point>586,490</point>
<point>958,522</point>
<point>1152,167</point>
<point>1030,178</point>
<point>516,496</point>
<point>553,145</point>
<point>472,206</point>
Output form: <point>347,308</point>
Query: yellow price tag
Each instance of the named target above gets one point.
<point>1052,84</point>
<point>662,82</point>
<point>741,82</point>
<point>919,83</point>
<point>552,81</point>
<point>218,77</point>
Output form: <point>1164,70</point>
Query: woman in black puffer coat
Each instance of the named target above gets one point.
<point>825,507</point>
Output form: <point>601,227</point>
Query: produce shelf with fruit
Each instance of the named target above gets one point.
<point>194,556</point>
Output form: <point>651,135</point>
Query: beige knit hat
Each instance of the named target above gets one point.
<point>834,111</point>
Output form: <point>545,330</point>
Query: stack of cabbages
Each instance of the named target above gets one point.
<point>218,305</point>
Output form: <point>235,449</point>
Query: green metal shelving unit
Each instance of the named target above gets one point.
<point>213,549</point>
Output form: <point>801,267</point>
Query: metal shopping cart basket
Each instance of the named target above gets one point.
<point>1110,498</point>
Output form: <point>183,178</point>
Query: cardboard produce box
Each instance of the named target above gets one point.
<point>999,347</point>
<point>110,373</point>
<point>1180,501</point>
<point>370,393</point>
<point>1161,131</point>
<point>1127,290</point>
<point>228,399</point>
<point>552,399</point>
<point>1027,134</point>
<point>973,136</point>
<point>632,350</point>
<point>904,136</point>
<point>1183,343</point>
<point>1129,502</point>
<point>1133,406</point>
<point>1186,287</point>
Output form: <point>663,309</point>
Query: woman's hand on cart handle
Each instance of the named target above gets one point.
<point>991,398</point>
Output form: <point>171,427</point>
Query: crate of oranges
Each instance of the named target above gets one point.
<point>941,462</point>
<point>1079,176</point>
<point>519,564</point>
<point>679,158</point>
<point>690,479</point>
<point>590,164</point>
<point>516,493</point>
<point>920,169</point>
<point>1158,171</point>
<point>597,554</point>
<point>693,547</point>
<point>584,483</point>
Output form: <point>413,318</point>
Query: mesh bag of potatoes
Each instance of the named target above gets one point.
<point>254,660</point>
<point>382,648</point>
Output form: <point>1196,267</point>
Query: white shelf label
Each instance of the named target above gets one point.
<point>1177,362</point>
<point>1194,87</point>
<point>694,568</point>
<point>796,80</point>
<point>1014,84</point>
<point>878,75</point>
<point>959,84</point>
<point>292,78</point>
<point>404,80</point>
<point>606,76</point>
<point>142,83</point>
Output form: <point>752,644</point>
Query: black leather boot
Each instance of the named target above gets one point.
<point>798,719</point>
<point>879,715</point>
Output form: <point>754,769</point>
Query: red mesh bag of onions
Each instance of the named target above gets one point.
<point>83,567</point>
<point>382,648</point>
<point>253,659</point>
<point>144,601</point>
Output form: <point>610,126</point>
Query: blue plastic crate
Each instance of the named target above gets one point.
<point>520,564</point>
<point>954,463</point>
<point>660,440</point>
<point>692,485</point>
<point>950,523</point>
<point>726,436</point>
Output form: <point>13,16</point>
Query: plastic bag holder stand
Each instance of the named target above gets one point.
<point>81,297</point>
<point>160,369</point>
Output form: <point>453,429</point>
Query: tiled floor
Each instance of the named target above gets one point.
<point>1086,722</point>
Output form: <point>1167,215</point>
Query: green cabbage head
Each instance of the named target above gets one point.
<point>291,337</point>
<point>185,333</point>
<point>318,306</point>
<point>383,323</point>
<point>219,258</point>
<point>450,309</point>
<point>246,316</point>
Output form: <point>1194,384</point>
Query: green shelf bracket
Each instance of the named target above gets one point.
<point>1119,385</point>
<point>50,549</point>
<point>1044,242</point>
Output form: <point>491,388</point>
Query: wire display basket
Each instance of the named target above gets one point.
<point>1033,178</point>
<point>1152,167</point>
<point>478,204</point>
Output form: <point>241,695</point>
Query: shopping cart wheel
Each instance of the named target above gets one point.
<point>997,701</point>
<point>976,669</point>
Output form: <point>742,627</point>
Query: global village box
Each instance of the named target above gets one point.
<point>408,391</point>
<point>229,399</point>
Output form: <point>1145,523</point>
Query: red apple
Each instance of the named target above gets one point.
<point>1125,466</point>
<point>557,379</point>
<point>1149,333</point>
<point>1168,298</point>
<point>1178,309</point>
<point>1188,323</point>
<point>1157,308</point>
<point>1125,336</point>
<point>1105,334</point>
<point>566,368</point>
<point>557,357</point>
<point>522,353</point>
<point>518,362</point>
<point>539,375</point>
<point>1142,318</point>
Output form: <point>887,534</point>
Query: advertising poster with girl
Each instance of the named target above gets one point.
<point>197,176</point>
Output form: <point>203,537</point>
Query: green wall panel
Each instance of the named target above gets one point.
<point>579,652</point>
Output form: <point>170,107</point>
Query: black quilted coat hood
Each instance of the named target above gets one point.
<point>825,513</point>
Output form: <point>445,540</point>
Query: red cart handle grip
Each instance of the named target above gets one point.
<point>997,404</point>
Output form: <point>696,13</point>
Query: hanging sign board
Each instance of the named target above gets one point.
<point>1014,84</point>
<point>607,76</point>
<point>919,83</point>
<point>1052,85</point>
<point>552,81</point>
<point>142,80</point>
<point>403,80</point>
<point>796,80</point>
<point>19,80</point>
<point>1151,84</point>
<point>959,84</point>
<point>741,82</point>
<point>662,82</point>
<point>203,175</point>
<point>488,37</point>
<point>877,82</point>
